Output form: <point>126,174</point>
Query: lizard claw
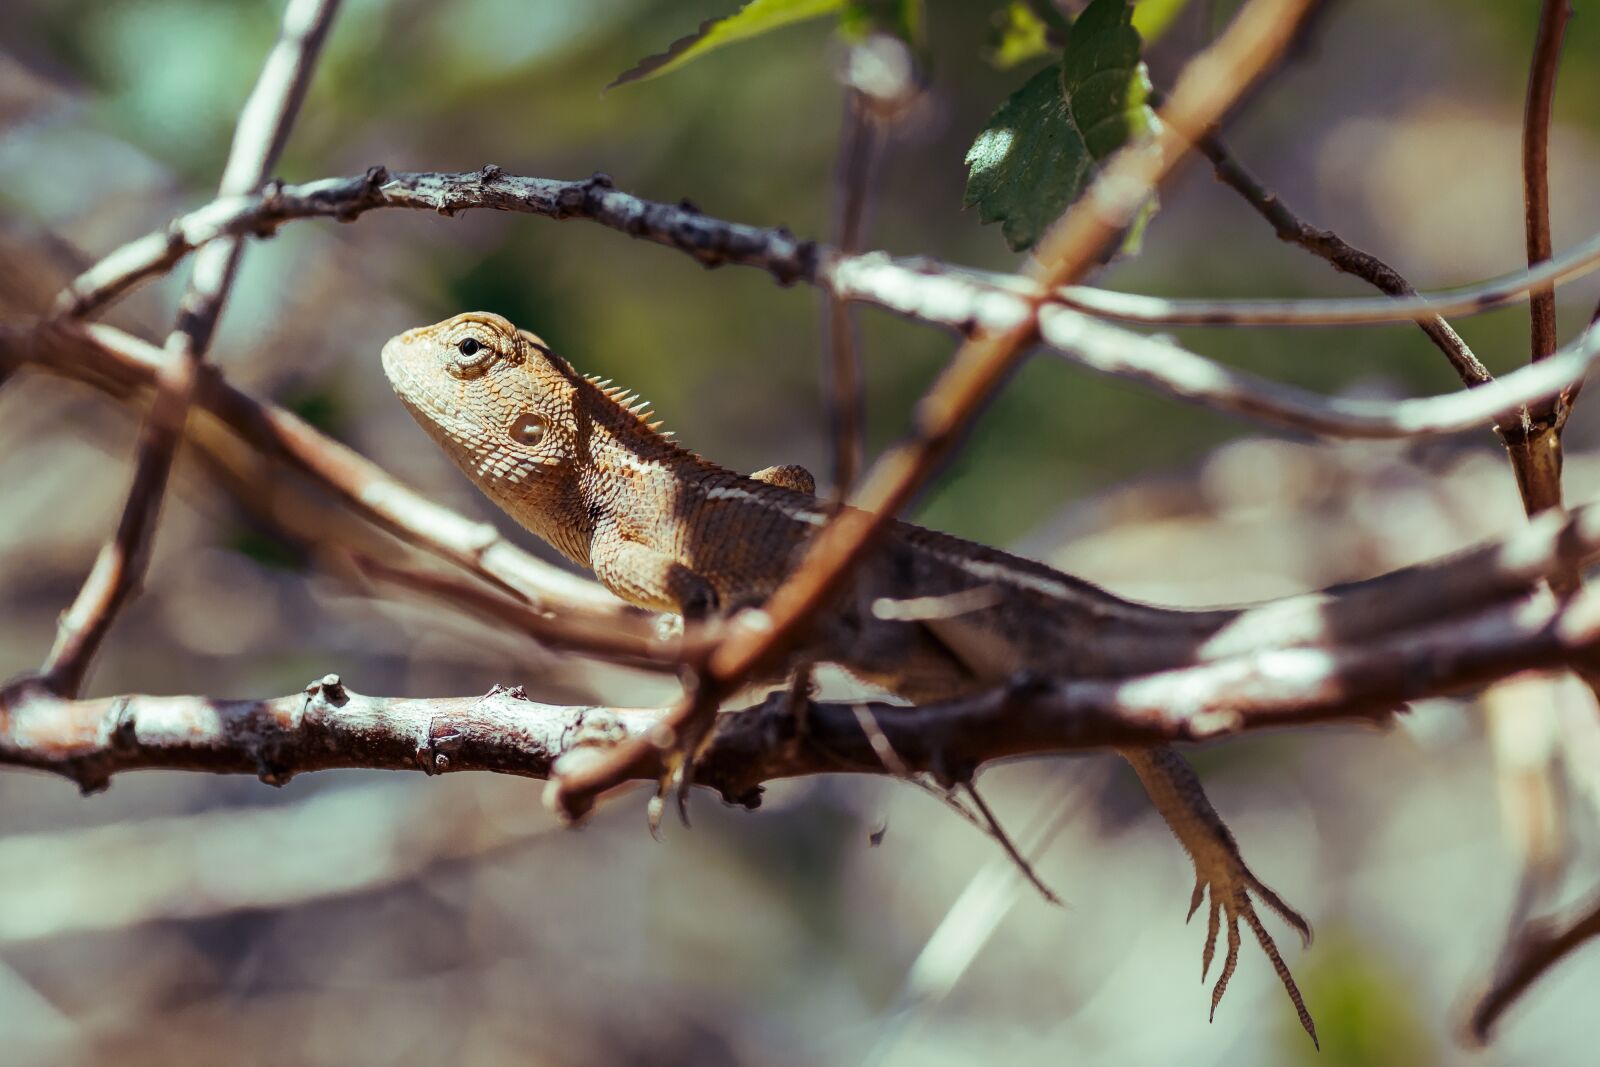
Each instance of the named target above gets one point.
<point>1219,870</point>
<point>1230,884</point>
<point>678,755</point>
<point>674,776</point>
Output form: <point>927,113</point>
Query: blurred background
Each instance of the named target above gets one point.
<point>367,918</point>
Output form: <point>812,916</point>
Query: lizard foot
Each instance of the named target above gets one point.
<point>1230,890</point>
<point>678,754</point>
<point>1219,868</point>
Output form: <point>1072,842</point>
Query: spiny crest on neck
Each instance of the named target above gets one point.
<point>629,403</point>
<point>633,421</point>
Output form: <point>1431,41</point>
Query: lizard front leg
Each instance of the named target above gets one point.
<point>652,579</point>
<point>655,580</point>
<point>790,476</point>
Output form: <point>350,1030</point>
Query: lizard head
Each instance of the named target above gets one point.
<point>496,399</point>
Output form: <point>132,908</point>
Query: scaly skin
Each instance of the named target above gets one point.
<point>580,464</point>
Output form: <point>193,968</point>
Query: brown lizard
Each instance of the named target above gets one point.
<point>580,463</point>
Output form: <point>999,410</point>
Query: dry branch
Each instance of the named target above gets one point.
<point>329,726</point>
<point>918,287</point>
<point>262,129</point>
<point>1530,948</point>
<point>123,365</point>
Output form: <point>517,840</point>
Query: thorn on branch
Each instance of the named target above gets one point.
<point>269,772</point>
<point>118,729</point>
<point>799,265</point>
<point>91,779</point>
<point>489,173</point>
<point>749,800</point>
<point>328,689</point>
<point>433,755</point>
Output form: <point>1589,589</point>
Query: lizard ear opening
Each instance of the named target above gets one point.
<point>528,429</point>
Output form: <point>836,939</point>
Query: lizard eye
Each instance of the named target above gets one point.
<point>528,428</point>
<point>472,357</point>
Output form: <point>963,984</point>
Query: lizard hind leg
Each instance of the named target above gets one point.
<point>1220,870</point>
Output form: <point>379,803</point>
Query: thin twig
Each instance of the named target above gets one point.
<point>1553,18</point>
<point>1539,946</point>
<point>1167,367</point>
<point>920,288</point>
<point>262,129</point>
<point>596,636</point>
<point>879,76</point>
<point>1536,450</point>
<point>994,828</point>
<point>1536,458</point>
<point>123,365</point>
<point>1466,300</point>
<point>858,137</point>
<point>1341,255</point>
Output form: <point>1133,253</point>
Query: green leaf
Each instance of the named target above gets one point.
<point>1042,147</point>
<point>753,19</point>
<point>1019,35</point>
<point>1028,162</point>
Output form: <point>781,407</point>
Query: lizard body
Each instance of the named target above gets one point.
<point>927,616</point>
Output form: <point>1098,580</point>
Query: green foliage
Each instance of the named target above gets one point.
<point>752,20</point>
<point>267,548</point>
<point>321,406</point>
<point>1152,17</point>
<point>1019,35</point>
<point>1053,18</point>
<point>1103,81</point>
<point>1029,162</point>
<point>904,19</point>
<point>1028,29</point>
<point>1367,1011</point>
<point>857,18</point>
<point>1040,150</point>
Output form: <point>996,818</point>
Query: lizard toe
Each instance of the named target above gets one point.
<point>1230,905</point>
